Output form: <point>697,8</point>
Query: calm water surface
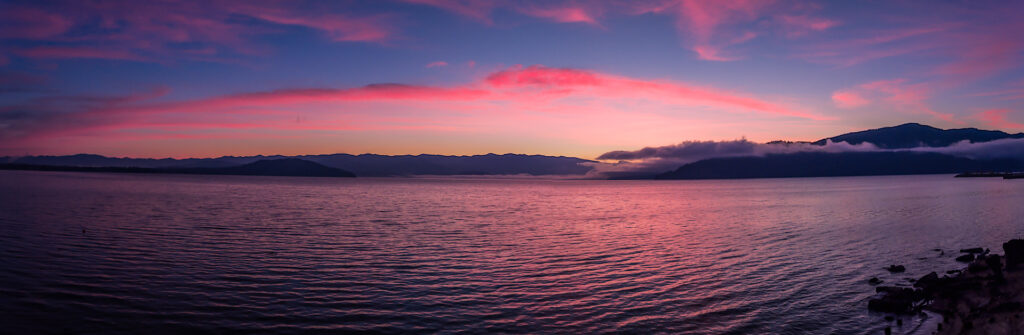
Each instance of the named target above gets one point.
<point>123,253</point>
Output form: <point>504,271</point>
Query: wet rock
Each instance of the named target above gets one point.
<point>1014,250</point>
<point>927,280</point>
<point>874,281</point>
<point>890,305</point>
<point>972,250</point>
<point>896,268</point>
<point>965,258</point>
<point>893,299</point>
<point>976,267</point>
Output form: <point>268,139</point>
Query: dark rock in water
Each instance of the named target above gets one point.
<point>892,299</point>
<point>889,318</point>
<point>972,250</point>
<point>874,281</point>
<point>965,258</point>
<point>889,305</point>
<point>928,279</point>
<point>896,268</point>
<point>1014,250</point>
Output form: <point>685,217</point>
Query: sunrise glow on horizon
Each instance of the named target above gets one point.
<point>184,79</point>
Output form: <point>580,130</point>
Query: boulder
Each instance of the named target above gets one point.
<point>928,279</point>
<point>976,267</point>
<point>965,258</point>
<point>972,250</point>
<point>1014,250</point>
<point>892,299</point>
<point>896,268</point>
<point>874,281</point>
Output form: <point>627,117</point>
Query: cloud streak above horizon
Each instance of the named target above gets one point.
<point>535,97</point>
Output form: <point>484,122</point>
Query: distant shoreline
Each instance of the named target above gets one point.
<point>277,167</point>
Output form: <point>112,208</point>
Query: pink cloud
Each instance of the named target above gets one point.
<point>848,99</point>
<point>77,52</point>
<point>534,99</point>
<point>981,54</point>
<point>707,52</point>
<point>339,27</point>
<point>475,9</point>
<point>437,64</point>
<point>893,94</point>
<point>968,44</point>
<point>876,44</point>
<point>997,118</point>
<point>800,25</point>
<point>138,30</point>
<point>709,27</point>
<point>18,22</point>
<point>569,14</point>
<point>519,76</point>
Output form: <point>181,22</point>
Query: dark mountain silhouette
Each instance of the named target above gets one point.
<point>489,164</point>
<point>362,165</point>
<point>816,164</point>
<point>912,135</point>
<point>272,167</point>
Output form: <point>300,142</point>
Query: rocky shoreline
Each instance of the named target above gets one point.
<point>986,297</point>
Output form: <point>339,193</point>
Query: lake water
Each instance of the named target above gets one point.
<point>124,253</point>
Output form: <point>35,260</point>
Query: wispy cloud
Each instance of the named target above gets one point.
<point>997,118</point>
<point>893,94</point>
<point>653,160</point>
<point>171,30</point>
<point>531,98</point>
<point>709,28</point>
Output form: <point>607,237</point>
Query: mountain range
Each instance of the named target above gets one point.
<point>910,135</point>
<point>894,153</point>
<point>292,167</point>
<point>365,165</point>
<point>903,149</point>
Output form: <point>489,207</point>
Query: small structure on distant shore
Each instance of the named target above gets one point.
<point>990,174</point>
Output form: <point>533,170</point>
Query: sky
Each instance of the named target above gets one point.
<point>575,78</point>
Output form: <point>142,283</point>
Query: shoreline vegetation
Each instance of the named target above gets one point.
<point>986,297</point>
